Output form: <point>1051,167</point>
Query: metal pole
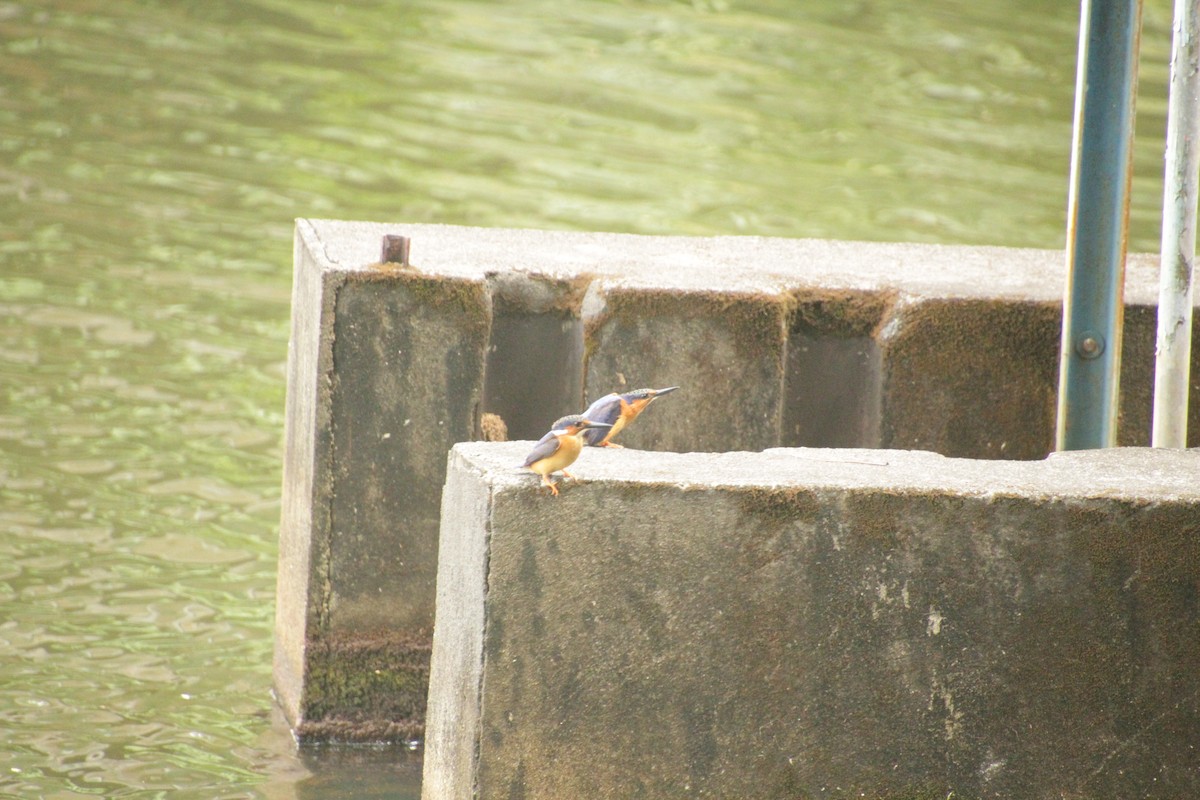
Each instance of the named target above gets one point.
<point>1097,220</point>
<point>1173,352</point>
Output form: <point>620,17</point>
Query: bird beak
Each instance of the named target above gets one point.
<point>590,424</point>
<point>668,390</point>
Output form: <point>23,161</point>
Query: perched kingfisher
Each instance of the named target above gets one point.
<point>619,410</point>
<point>559,448</point>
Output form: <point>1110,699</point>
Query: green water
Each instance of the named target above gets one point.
<point>153,156</point>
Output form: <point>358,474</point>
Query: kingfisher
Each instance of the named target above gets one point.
<point>559,448</point>
<point>619,410</point>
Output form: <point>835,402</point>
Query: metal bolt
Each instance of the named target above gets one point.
<point>1089,345</point>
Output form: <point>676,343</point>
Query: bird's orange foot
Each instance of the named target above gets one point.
<point>549,484</point>
<point>613,444</point>
<point>569,475</point>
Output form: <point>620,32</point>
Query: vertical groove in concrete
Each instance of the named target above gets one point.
<point>534,372</point>
<point>832,395</point>
<point>833,391</point>
<point>535,353</point>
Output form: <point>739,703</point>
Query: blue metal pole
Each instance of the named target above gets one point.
<point>1097,222</point>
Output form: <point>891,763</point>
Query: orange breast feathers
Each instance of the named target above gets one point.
<point>562,457</point>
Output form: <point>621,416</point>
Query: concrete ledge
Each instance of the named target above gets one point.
<point>850,344</point>
<point>808,623</point>
<point>776,343</point>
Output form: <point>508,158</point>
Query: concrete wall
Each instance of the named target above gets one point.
<point>818,623</point>
<point>775,342</point>
<point>385,374</point>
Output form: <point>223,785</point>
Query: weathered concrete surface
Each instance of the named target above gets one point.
<point>834,368</point>
<point>775,342</point>
<point>970,378</point>
<point>733,340</point>
<point>385,374</point>
<point>977,378</point>
<point>818,623</point>
<point>779,341</point>
<point>535,358</point>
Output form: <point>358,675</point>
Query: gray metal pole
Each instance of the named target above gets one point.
<point>1173,352</point>
<point>1097,220</point>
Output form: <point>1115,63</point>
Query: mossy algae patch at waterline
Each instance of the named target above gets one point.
<point>366,688</point>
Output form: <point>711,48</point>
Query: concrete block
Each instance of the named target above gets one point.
<point>774,341</point>
<point>386,371</point>
<point>972,378</point>
<point>1137,378</point>
<point>804,623</point>
<point>727,350</point>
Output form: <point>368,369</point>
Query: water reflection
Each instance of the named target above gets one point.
<point>155,154</point>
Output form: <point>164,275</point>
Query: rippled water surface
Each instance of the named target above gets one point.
<point>154,154</point>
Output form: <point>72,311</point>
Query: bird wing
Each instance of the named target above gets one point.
<point>605,410</point>
<point>547,446</point>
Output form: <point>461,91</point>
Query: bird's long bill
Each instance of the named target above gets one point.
<point>661,392</point>
<point>598,425</point>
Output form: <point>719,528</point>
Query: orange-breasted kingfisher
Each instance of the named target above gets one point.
<point>559,448</point>
<point>619,410</point>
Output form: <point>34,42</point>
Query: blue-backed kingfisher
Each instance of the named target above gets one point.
<point>619,410</point>
<point>559,448</point>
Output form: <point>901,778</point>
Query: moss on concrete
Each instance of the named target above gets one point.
<point>756,320</point>
<point>339,730</point>
<point>361,685</point>
<point>540,294</point>
<point>780,506</point>
<point>841,313</point>
<point>462,296</point>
